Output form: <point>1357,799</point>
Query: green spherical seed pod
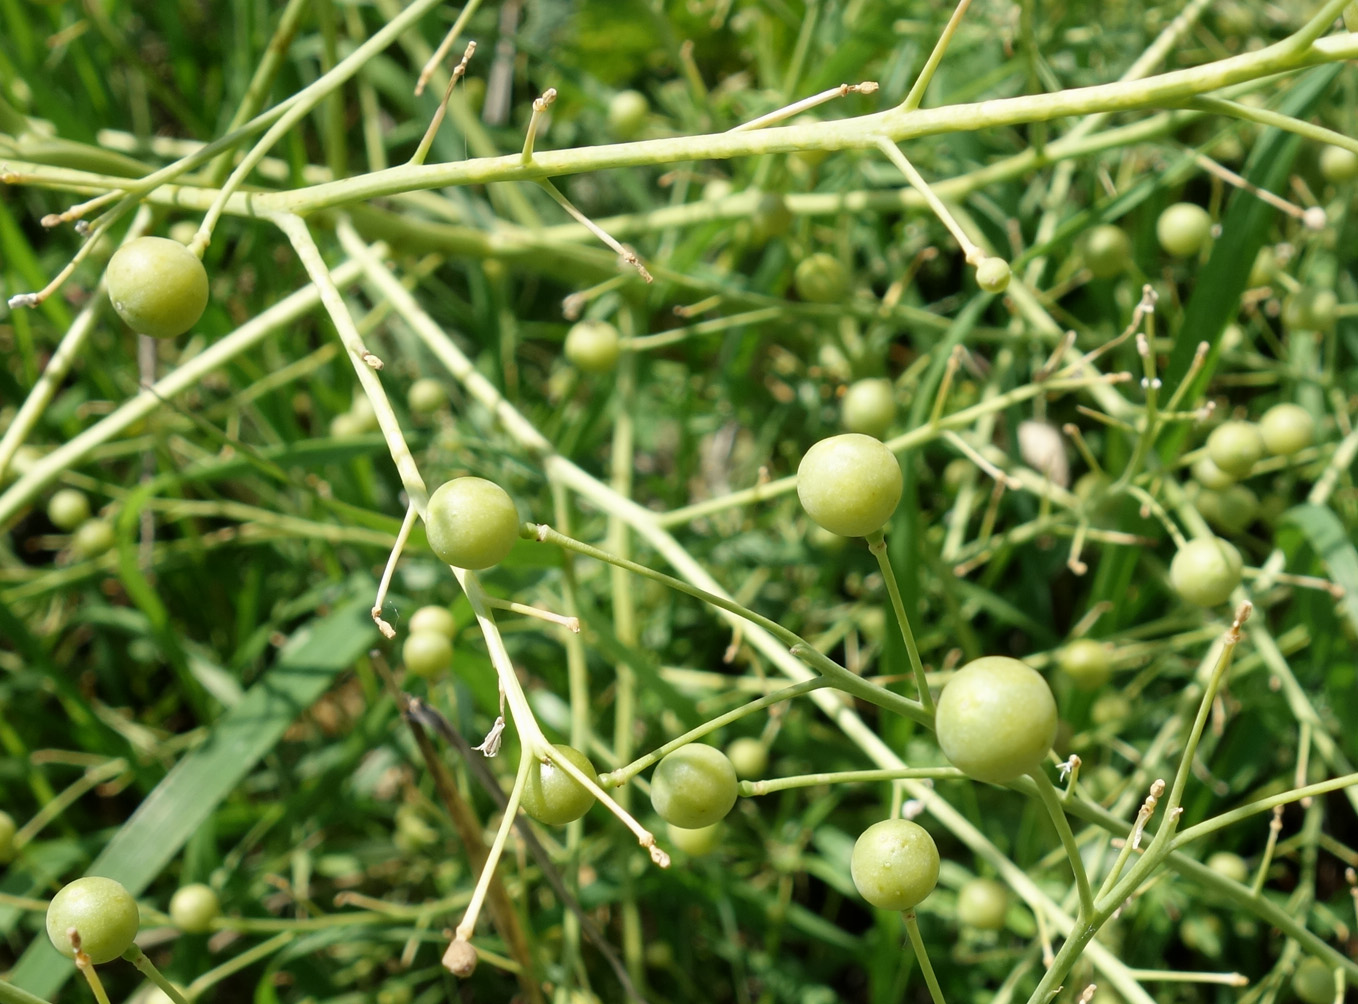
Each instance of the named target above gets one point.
<point>983,903</point>
<point>996,719</point>
<point>472,523</point>
<point>194,907</point>
<point>1086,662</point>
<point>1313,981</point>
<point>1228,865</point>
<point>1210,476</point>
<point>7,831</point>
<point>698,842</point>
<point>1338,165</point>
<point>869,407</point>
<point>1287,429</point>
<point>1205,571</point>
<point>1110,708</point>
<point>92,538</point>
<point>749,757</point>
<point>157,286</point>
<point>433,618</point>
<point>1235,447</point>
<point>1107,251</point>
<point>1183,229</point>
<point>1310,309</point>
<point>850,484</point>
<point>627,112</point>
<point>771,218</point>
<point>426,396</point>
<point>694,786</point>
<point>1230,511</point>
<point>68,508</point>
<point>1265,267</point>
<point>993,275</point>
<point>103,913</point>
<point>894,864</point>
<point>427,654</point>
<point>593,346</point>
<point>821,278</point>
<point>553,797</point>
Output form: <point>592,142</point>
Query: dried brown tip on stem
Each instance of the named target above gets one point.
<point>1087,994</point>
<point>460,958</point>
<point>387,630</point>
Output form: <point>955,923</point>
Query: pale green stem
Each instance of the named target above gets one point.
<point>148,969</point>
<point>54,807</point>
<point>970,250</point>
<point>91,975</point>
<point>922,955</point>
<point>877,545</point>
<point>236,963</point>
<point>753,789</point>
<point>467,927</point>
<point>916,95</point>
<point>1046,791</point>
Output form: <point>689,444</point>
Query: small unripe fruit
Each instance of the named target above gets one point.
<point>1235,447</point>
<point>593,346</point>
<point>983,903</point>
<point>1287,429</point>
<point>1210,476</point>
<point>1108,251</point>
<point>996,719</point>
<point>426,396</point>
<point>1311,309</point>
<point>1338,164</point>
<point>771,218</point>
<point>1205,571</point>
<point>821,278</point>
<point>993,275</point>
<point>194,907</point>
<point>1313,981</point>
<point>894,864</point>
<point>92,538</point>
<point>627,113</point>
<point>697,842</point>
<point>158,286</point>
<point>68,508</point>
<point>869,407</point>
<point>433,618</point>
<point>7,831</point>
<point>1229,865</point>
<point>694,786</point>
<point>427,654</point>
<point>101,911</point>
<point>850,484</point>
<point>472,523</point>
<point>1183,229</point>
<point>552,796</point>
<point>1086,662</point>
<point>748,756</point>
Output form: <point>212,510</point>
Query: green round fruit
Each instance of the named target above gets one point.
<point>1265,267</point>
<point>553,797</point>
<point>472,523</point>
<point>433,618</point>
<point>68,508</point>
<point>1287,429</point>
<point>426,396</point>
<point>1183,229</point>
<point>593,346</point>
<point>894,864</point>
<point>101,910</point>
<point>983,903</point>
<point>869,407</point>
<point>1205,571</point>
<point>749,757</point>
<point>1338,164</point>
<point>1235,447</point>
<point>1210,476</point>
<point>1228,865</point>
<point>1310,309</point>
<point>427,654</point>
<point>696,843</point>
<point>1230,511</point>
<point>92,538</point>
<point>7,831</point>
<point>627,112</point>
<point>771,218</point>
<point>1109,709</point>
<point>821,278</point>
<point>993,275</point>
<point>694,786</point>
<point>850,484</point>
<point>1313,981</point>
<point>1086,662</point>
<point>158,286</point>
<point>996,719</point>
<point>1108,251</point>
<point>194,907</point>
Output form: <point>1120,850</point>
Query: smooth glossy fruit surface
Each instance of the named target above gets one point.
<point>194,907</point>
<point>850,484</point>
<point>1228,865</point>
<point>1108,251</point>
<point>1235,447</point>
<point>996,719</point>
<point>1313,981</point>
<point>92,538</point>
<point>869,407</point>
<point>695,843</point>
<point>101,910</point>
<point>1085,661</point>
<point>1205,571</point>
<point>1210,476</point>
<point>627,113</point>
<point>158,286</point>
<point>426,396</point>
<point>1287,429</point>
<point>473,523</point>
<point>593,346</point>
<point>694,786</point>
<point>749,756</point>
<point>983,903</point>
<point>993,275</point>
<point>7,831</point>
<point>68,508</point>
<point>821,278</point>
<point>894,864</point>
<point>433,618</point>
<point>552,796</point>
<point>1183,229</point>
<point>427,654</point>
<point>1338,164</point>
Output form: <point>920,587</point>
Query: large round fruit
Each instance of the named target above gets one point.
<point>694,786</point>
<point>996,719</point>
<point>1287,429</point>
<point>1313,981</point>
<point>472,523</point>
<point>850,484</point>
<point>894,864</point>
<point>1205,571</point>
<point>552,796</point>
<point>158,286</point>
<point>993,275</point>
<point>101,911</point>
<point>1183,229</point>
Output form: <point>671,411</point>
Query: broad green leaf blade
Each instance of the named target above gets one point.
<point>1332,542</point>
<point>192,791</point>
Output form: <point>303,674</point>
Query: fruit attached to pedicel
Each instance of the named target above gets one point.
<point>694,786</point>
<point>1313,981</point>
<point>1235,447</point>
<point>1287,429</point>
<point>427,654</point>
<point>68,508</point>
<point>627,112</point>
<point>1085,661</point>
<point>993,275</point>
<point>869,407</point>
<point>1108,251</point>
<point>593,346</point>
<point>996,719</point>
<point>850,484</point>
<point>983,903</point>
<point>820,278</point>
<point>894,864</point>
<point>472,523</point>
<point>158,286</point>
<point>194,907</point>
<point>1183,229</point>
<point>552,796</point>
<point>1205,571</point>
<point>101,911</point>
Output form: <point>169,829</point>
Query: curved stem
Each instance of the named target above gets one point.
<point>922,954</point>
<point>1046,791</point>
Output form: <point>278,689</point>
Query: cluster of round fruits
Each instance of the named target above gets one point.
<point>69,510</point>
<point>100,916</point>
